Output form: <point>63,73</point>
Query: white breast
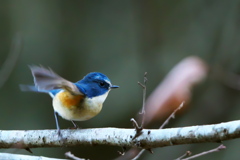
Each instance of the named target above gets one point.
<point>87,109</point>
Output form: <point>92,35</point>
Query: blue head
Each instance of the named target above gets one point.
<point>95,84</point>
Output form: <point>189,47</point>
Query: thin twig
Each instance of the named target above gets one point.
<point>137,128</point>
<point>188,153</point>
<point>123,151</point>
<point>72,156</point>
<point>11,60</point>
<point>162,126</point>
<point>144,86</point>
<point>219,148</point>
<point>139,154</point>
<point>171,116</point>
<point>135,124</point>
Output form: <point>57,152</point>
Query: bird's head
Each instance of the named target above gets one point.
<point>96,84</point>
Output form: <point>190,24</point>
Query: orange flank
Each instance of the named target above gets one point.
<point>68,100</point>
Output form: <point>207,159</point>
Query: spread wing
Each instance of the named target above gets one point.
<point>46,79</point>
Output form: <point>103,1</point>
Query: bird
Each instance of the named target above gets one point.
<point>77,101</point>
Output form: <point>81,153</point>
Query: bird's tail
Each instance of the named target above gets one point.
<point>31,88</point>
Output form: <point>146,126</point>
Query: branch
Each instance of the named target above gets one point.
<point>72,156</point>
<point>171,116</point>
<point>144,86</point>
<point>162,126</point>
<point>25,157</point>
<point>139,154</point>
<point>135,124</point>
<point>122,137</point>
<point>188,153</point>
<point>219,148</point>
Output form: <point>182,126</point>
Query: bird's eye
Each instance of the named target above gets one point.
<point>101,84</point>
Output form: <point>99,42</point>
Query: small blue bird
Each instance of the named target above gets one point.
<point>78,101</point>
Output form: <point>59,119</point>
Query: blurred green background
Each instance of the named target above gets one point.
<point>121,39</point>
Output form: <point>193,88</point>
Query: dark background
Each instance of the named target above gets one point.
<point>121,39</point>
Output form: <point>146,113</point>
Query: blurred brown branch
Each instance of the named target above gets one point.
<point>175,88</point>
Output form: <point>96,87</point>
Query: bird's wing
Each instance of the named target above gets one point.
<point>46,79</point>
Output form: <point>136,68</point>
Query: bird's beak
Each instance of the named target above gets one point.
<point>114,86</point>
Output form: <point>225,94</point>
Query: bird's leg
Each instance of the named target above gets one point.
<point>58,128</point>
<point>75,125</point>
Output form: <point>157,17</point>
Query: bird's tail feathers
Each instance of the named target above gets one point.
<point>46,79</point>
<point>31,88</point>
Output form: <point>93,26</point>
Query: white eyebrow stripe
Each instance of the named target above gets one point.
<point>108,82</point>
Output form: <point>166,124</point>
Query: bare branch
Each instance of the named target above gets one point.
<point>162,126</point>
<point>139,154</point>
<point>122,137</point>
<point>188,153</point>
<point>142,113</point>
<point>171,116</point>
<point>219,148</point>
<point>25,157</point>
<point>144,86</point>
<point>137,128</point>
<point>72,156</point>
<point>123,151</point>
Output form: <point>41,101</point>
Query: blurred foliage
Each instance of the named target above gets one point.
<point>122,39</point>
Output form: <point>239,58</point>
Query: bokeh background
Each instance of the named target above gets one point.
<point>121,39</point>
